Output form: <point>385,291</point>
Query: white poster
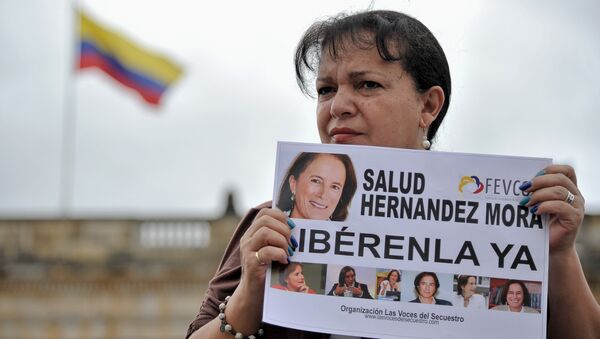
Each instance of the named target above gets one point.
<point>408,244</point>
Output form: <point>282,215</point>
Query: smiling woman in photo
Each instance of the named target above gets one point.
<point>515,298</point>
<point>318,186</point>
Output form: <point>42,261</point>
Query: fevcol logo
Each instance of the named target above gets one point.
<point>496,188</point>
<point>470,184</point>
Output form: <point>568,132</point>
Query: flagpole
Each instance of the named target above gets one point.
<point>67,175</point>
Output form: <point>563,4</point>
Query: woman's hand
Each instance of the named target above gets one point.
<point>554,191</point>
<point>575,312</point>
<point>267,240</point>
<point>384,286</point>
<point>304,289</point>
<point>339,290</point>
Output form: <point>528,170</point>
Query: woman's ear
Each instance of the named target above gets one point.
<point>433,100</point>
<point>292,182</point>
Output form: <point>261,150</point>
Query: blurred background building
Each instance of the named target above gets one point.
<point>110,278</point>
<point>118,278</point>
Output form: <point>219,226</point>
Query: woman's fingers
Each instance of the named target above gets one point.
<point>269,254</point>
<point>568,215</point>
<point>266,236</point>
<point>267,240</point>
<point>554,193</point>
<point>267,221</point>
<point>556,183</point>
<point>566,170</point>
<point>550,180</point>
<point>271,218</point>
<point>564,224</point>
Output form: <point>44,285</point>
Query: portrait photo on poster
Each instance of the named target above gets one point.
<point>318,186</point>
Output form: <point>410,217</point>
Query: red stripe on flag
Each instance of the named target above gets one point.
<point>89,60</point>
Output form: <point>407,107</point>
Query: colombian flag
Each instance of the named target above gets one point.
<point>146,72</point>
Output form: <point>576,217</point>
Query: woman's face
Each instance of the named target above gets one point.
<point>470,286</point>
<point>295,279</point>
<point>349,278</point>
<point>364,100</point>
<point>514,297</point>
<point>318,189</point>
<point>427,287</point>
<point>394,277</point>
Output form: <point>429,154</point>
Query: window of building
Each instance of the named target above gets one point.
<point>183,234</point>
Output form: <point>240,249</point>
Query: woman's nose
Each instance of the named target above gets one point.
<point>342,105</point>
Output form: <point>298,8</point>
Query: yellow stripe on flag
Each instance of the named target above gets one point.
<point>132,56</point>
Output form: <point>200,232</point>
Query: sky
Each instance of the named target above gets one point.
<point>524,81</point>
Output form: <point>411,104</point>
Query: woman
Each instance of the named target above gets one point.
<point>291,279</point>
<point>347,286</point>
<point>515,298</point>
<point>383,80</point>
<point>465,293</point>
<point>426,287</point>
<point>318,186</point>
<point>390,284</point>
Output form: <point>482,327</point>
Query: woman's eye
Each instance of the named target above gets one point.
<point>315,180</point>
<point>324,90</point>
<point>336,187</point>
<point>369,85</point>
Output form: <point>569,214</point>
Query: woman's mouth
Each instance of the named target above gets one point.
<point>343,135</point>
<point>317,205</point>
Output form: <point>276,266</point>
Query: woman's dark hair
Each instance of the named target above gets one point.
<point>342,277</point>
<point>526,295</point>
<point>397,36</point>
<point>421,276</point>
<point>390,273</point>
<point>461,281</point>
<point>284,271</point>
<point>285,202</point>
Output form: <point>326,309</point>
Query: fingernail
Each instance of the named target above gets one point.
<point>290,251</point>
<point>524,201</point>
<point>291,223</point>
<point>534,208</point>
<point>542,172</point>
<point>525,185</point>
<point>294,242</point>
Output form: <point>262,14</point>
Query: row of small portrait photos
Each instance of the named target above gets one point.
<point>458,290</point>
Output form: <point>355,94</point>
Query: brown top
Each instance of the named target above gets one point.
<point>226,280</point>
